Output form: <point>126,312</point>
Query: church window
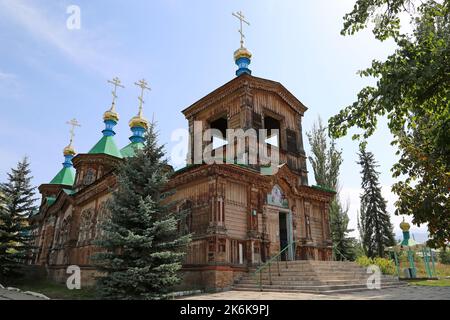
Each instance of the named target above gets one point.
<point>186,218</point>
<point>64,232</point>
<point>273,127</point>
<point>291,137</point>
<point>85,233</point>
<point>219,139</point>
<point>89,177</point>
<point>102,215</point>
<point>308,221</point>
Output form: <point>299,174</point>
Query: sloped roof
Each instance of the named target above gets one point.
<point>106,145</point>
<point>65,177</point>
<point>131,148</point>
<point>242,81</point>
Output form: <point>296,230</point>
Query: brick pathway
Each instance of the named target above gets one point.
<point>400,293</point>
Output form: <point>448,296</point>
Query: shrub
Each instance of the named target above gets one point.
<point>444,256</point>
<point>387,266</point>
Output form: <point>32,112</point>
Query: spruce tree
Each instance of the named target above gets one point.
<point>375,223</point>
<point>16,205</point>
<point>142,247</point>
<point>326,161</point>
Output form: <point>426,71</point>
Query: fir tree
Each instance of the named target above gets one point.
<point>343,245</point>
<point>16,205</point>
<point>326,162</point>
<point>375,223</point>
<point>143,249</point>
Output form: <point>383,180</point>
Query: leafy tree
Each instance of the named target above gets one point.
<point>413,92</point>
<point>375,223</point>
<point>444,256</point>
<point>16,205</point>
<point>326,161</point>
<point>143,248</point>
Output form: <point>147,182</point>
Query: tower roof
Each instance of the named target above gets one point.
<point>106,145</point>
<point>130,149</point>
<point>65,176</point>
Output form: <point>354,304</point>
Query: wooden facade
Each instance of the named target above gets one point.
<point>238,217</point>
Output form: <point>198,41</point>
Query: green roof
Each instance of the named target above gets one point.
<point>50,200</point>
<point>106,145</point>
<point>65,177</point>
<point>130,149</point>
<point>68,191</point>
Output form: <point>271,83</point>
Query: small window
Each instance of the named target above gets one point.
<point>89,177</point>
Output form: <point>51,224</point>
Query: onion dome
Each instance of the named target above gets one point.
<point>405,226</point>
<point>138,121</point>
<point>111,114</point>
<point>69,150</point>
<point>242,58</point>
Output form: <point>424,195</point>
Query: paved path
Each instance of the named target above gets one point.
<point>400,293</point>
<point>15,295</point>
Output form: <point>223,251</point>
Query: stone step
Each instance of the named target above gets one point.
<point>303,273</point>
<point>284,281</point>
<point>288,281</point>
<point>320,291</point>
<point>312,289</point>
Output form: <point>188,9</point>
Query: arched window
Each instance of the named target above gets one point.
<point>102,216</point>
<point>64,232</point>
<point>85,233</point>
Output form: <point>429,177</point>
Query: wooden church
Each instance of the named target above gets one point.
<point>239,214</point>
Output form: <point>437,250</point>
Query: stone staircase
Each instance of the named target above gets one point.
<point>312,277</point>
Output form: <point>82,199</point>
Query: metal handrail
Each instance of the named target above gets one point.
<point>343,256</point>
<point>267,264</point>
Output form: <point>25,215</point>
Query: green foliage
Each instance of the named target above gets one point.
<point>444,257</point>
<point>343,245</point>
<point>16,205</point>
<point>326,161</point>
<point>413,92</point>
<point>387,266</point>
<point>143,247</point>
<point>374,222</point>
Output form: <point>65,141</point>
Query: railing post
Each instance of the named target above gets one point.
<point>287,257</point>
<point>270,275</point>
<point>278,266</point>
<point>260,280</point>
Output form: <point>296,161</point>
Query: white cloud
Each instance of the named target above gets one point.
<point>86,48</point>
<point>351,196</point>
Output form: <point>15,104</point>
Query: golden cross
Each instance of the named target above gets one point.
<point>241,18</point>
<point>116,83</point>
<point>74,123</point>
<point>144,86</point>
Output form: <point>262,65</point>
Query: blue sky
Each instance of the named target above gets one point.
<point>50,74</point>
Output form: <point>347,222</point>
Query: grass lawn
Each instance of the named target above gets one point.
<point>55,290</point>
<point>432,283</point>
